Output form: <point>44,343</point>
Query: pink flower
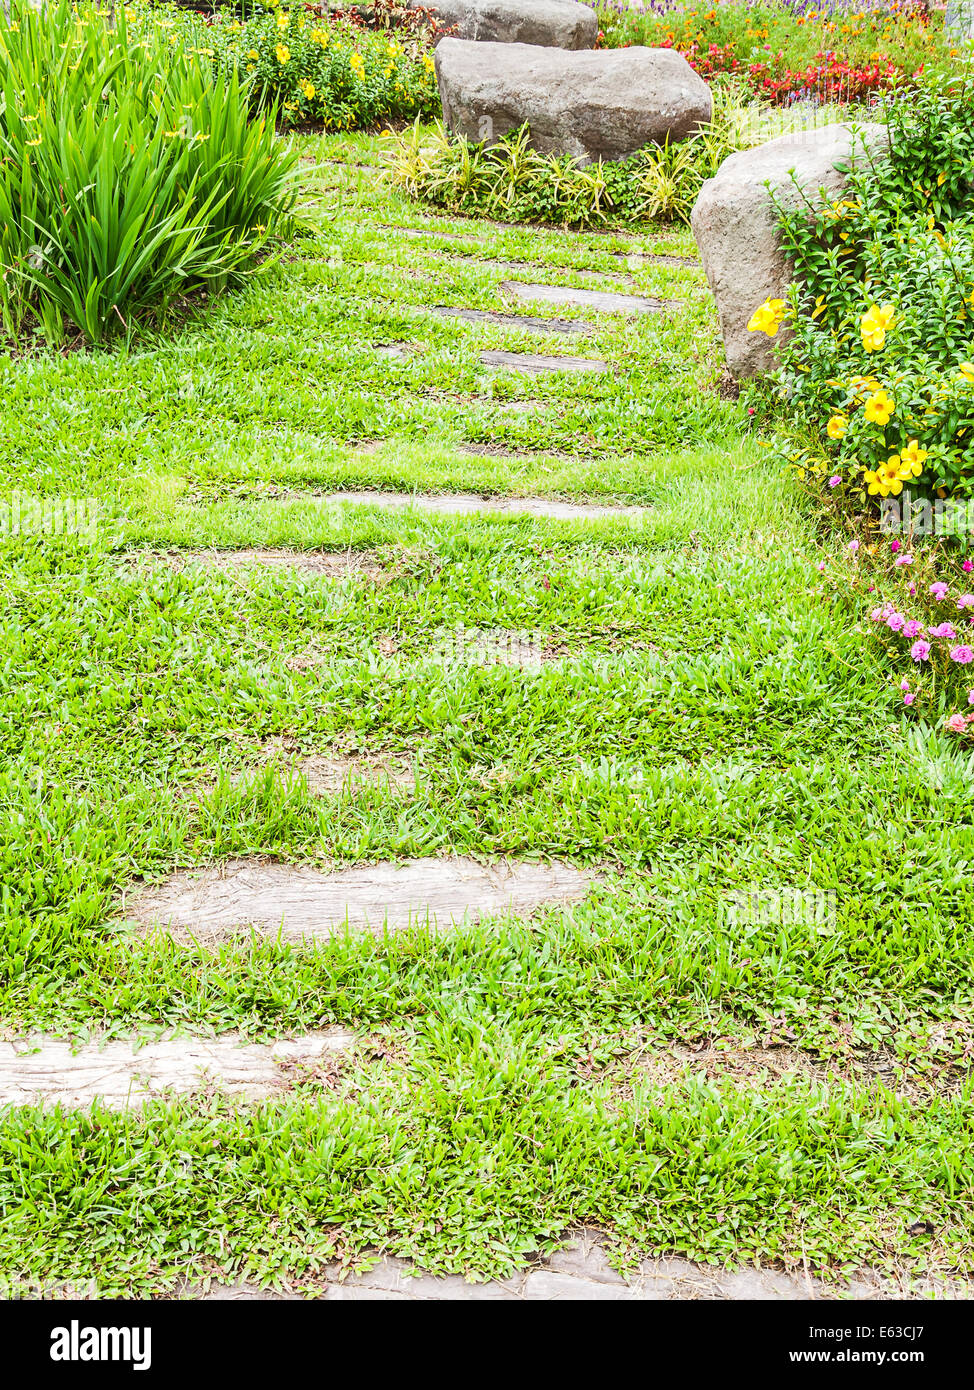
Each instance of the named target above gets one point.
<point>970,697</point>
<point>835,480</point>
<point>967,566</point>
<point>920,651</point>
<point>895,546</point>
<point>904,684</point>
<point>966,601</point>
<point>962,655</point>
<point>912,590</point>
<point>853,546</point>
<point>944,630</point>
<point>878,614</point>
<point>896,621</point>
<point>820,566</point>
<point>908,698</point>
<point>956,724</point>
<point>911,629</point>
<point>939,590</point>
<point>903,560</point>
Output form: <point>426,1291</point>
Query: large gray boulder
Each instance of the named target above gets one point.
<point>736,226</point>
<point>591,105</point>
<point>547,23</point>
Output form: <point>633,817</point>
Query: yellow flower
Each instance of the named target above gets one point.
<point>767,317</point>
<point>879,407</point>
<point>911,460</point>
<point>320,36</point>
<point>253,55</point>
<point>283,53</point>
<point>875,323</point>
<point>836,427</point>
<point>283,19</point>
<point>308,88</point>
<point>884,479</point>
<point>966,370</point>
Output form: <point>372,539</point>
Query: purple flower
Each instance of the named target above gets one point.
<point>911,629</point>
<point>904,684</point>
<point>896,621</point>
<point>970,697</point>
<point>939,590</point>
<point>962,655</point>
<point>966,601</point>
<point>920,651</point>
<point>895,546</point>
<point>835,480</point>
<point>853,546</point>
<point>908,698</point>
<point>967,566</point>
<point>943,630</point>
<point>903,560</point>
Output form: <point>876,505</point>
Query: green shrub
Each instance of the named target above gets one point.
<point>512,181</point>
<point>310,69</point>
<point>882,312</point>
<point>127,177</point>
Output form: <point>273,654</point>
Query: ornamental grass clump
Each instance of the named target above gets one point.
<point>127,179</point>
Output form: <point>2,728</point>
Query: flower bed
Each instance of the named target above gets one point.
<point>793,50</point>
<point>334,71</point>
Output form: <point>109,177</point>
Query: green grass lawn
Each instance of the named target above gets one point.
<point>717,726</point>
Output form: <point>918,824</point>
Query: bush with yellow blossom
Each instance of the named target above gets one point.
<point>878,372</point>
<point>314,69</point>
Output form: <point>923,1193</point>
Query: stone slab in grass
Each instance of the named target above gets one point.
<point>602,301</point>
<point>536,364</point>
<point>42,1070</point>
<point>304,903</point>
<point>528,321</point>
<point>328,774</point>
<point>326,564</point>
<point>635,260</point>
<point>468,503</point>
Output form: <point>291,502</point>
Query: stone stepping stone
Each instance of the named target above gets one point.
<point>469,503</point>
<point>41,1070</point>
<point>601,300</point>
<point>636,259</point>
<point>305,903</point>
<point>329,774</point>
<point>535,364</point>
<point>535,325</point>
<point>327,564</point>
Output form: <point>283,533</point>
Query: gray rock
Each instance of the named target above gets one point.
<point>959,20</point>
<point>736,226</point>
<point>547,23</point>
<point>605,104</point>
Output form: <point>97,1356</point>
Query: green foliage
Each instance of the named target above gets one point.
<point>311,69</point>
<point>901,240</point>
<point>513,181</point>
<point>127,178</point>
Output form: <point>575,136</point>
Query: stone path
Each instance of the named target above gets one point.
<point>525,321</point>
<point>304,903</point>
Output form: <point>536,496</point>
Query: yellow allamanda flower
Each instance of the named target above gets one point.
<point>283,19</point>
<point>909,461</point>
<point>836,427</point>
<point>875,324</point>
<point>282,53</point>
<point>879,407</point>
<point>767,317</point>
<point>308,88</point>
<point>883,480</point>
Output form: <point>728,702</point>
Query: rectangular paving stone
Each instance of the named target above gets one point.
<point>467,504</point>
<point>535,325</point>
<point>601,300</point>
<point>43,1070</point>
<point>536,364</point>
<point>302,902</point>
